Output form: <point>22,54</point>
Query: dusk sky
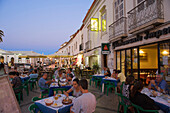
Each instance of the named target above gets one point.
<point>40,25</point>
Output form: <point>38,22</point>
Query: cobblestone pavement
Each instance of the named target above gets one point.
<point>105,104</point>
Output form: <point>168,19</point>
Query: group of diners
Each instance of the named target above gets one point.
<point>84,102</point>
<point>132,90</point>
<point>15,78</point>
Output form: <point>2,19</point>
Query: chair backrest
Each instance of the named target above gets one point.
<point>33,79</point>
<point>139,109</point>
<point>35,99</point>
<point>32,108</point>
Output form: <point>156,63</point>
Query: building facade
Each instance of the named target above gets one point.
<point>138,32</point>
<point>140,37</point>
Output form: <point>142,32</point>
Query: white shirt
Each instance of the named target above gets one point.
<point>86,103</point>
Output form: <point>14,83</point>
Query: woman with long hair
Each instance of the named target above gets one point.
<point>140,99</point>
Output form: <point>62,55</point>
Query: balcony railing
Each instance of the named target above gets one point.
<point>118,28</point>
<point>88,45</point>
<point>146,13</point>
<point>81,47</point>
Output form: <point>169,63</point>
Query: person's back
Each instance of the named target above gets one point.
<point>86,103</point>
<point>144,101</point>
<point>122,77</point>
<point>16,84</point>
<point>42,83</point>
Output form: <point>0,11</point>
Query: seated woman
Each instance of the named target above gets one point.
<point>127,88</point>
<point>75,89</point>
<point>140,99</point>
<point>70,79</point>
<point>114,74</point>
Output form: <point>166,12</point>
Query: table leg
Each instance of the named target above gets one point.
<point>103,88</point>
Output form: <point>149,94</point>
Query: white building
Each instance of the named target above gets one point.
<point>85,45</point>
<point>134,29</point>
<point>20,56</point>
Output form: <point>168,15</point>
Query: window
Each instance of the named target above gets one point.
<point>76,45</point>
<point>103,19</point>
<point>81,38</point>
<point>119,9</point>
<point>128,62</point>
<point>165,58</point>
<point>72,49</point>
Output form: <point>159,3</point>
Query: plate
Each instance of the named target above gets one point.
<point>66,102</point>
<point>56,106</point>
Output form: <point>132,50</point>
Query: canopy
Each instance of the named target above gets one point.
<point>33,56</point>
<point>58,55</point>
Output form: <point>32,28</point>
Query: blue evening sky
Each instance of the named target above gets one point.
<point>40,25</point>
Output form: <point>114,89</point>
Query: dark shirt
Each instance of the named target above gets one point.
<point>144,101</point>
<point>16,84</point>
<point>109,74</point>
<point>2,69</point>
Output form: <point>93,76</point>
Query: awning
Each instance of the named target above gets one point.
<point>58,55</point>
<point>32,56</point>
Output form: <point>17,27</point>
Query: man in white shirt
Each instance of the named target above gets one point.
<point>86,103</point>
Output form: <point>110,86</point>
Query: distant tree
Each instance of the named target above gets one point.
<point>1,35</point>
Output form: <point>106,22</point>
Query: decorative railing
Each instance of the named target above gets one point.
<point>88,45</point>
<point>118,28</point>
<point>144,13</point>
<point>81,47</point>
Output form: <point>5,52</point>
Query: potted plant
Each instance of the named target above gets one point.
<point>96,67</point>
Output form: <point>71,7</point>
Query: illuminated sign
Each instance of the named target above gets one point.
<point>105,48</point>
<point>94,24</point>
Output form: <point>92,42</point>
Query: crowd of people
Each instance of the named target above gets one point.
<point>84,102</point>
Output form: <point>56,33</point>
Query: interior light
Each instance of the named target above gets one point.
<point>141,52</point>
<point>165,52</point>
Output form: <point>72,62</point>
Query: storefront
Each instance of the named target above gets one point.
<point>145,54</point>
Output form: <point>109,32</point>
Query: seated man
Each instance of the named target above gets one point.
<point>43,83</point>
<point>107,72</point>
<point>121,76</point>
<point>86,103</point>
<point>16,81</point>
<point>34,74</point>
<point>159,84</point>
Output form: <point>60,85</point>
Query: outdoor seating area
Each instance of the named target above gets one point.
<point>105,86</point>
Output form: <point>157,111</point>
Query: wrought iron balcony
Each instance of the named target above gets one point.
<point>88,45</point>
<point>81,47</point>
<point>147,13</point>
<point>118,28</point>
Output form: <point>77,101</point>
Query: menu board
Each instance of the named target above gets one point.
<point>8,101</point>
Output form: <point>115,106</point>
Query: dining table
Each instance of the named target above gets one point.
<point>59,108</point>
<point>98,76</point>
<point>55,85</point>
<point>24,78</point>
<point>161,100</point>
<point>110,79</point>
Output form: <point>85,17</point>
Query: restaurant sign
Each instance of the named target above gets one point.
<point>105,48</point>
<point>148,35</point>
